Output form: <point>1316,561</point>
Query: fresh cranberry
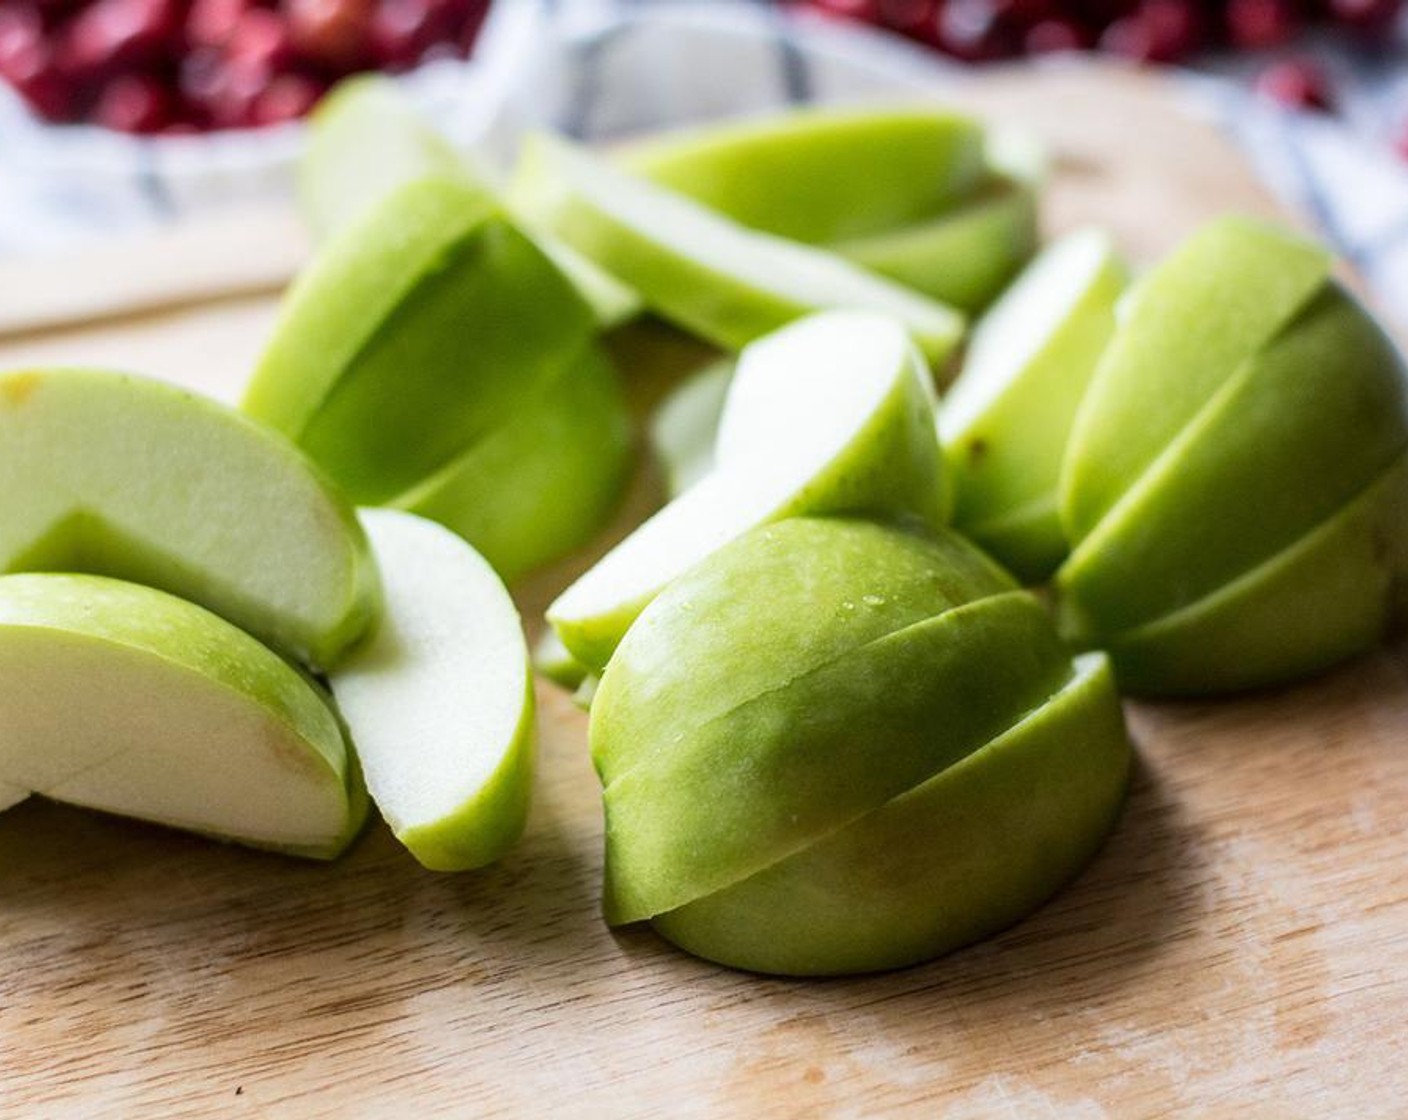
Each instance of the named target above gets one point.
<point>133,103</point>
<point>287,98</point>
<point>1177,27</point>
<point>181,128</point>
<point>473,24</point>
<point>911,17</point>
<point>212,23</point>
<point>27,63</point>
<point>1255,24</point>
<point>851,9</point>
<point>972,30</point>
<point>331,33</point>
<point>402,31</point>
<point>1056,35</point>
<point>1296,84</point>
<point>113,35</point>
<point>261,39</point>
<point>1366,16</point>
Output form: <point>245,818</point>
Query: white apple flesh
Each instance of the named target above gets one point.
<point>439,701</point>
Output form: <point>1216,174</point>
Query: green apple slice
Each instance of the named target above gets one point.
<point>963,256</point>
<point>555,661</point>
<point>414,331</point>
<point>974,848</point>
<point>119,697</point>
<point>792,766</point>
<point>721,280</point>
<point>121,476</point>
<point>828,416</point>
<point>439,702</point>
<point>365,140</point>
<point>1187,327</point>
<point>821,174</point>
<point>1300,429</point>
<point>1329,595</point>
<point>1005,422</point>
<point>543,483</point>
<point>684,426</point>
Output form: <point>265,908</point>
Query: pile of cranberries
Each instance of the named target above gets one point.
<point>1143,30</point>
<point>171,66</point>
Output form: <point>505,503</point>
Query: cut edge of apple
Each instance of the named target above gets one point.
<point>439,701</point>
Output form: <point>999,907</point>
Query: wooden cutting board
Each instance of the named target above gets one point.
<point>1239,948</point>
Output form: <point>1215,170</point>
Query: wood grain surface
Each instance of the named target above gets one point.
<point>1240,947</point>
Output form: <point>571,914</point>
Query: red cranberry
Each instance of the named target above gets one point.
<point>473,23</point>
<point>1177,28</point>
<point>1056,35</point>
<point>1367,16</point>
<point>403,30</point>
<point>113,35</point>
<point>287,98</point>
<point>851,9</point>
<point>260,39</point>
<point>912,17</point>
<point>27,63</point>
<point>973,31</point>
<point>181,128</point>
<point>133,103</point>
<point>1296,84</point>
<point>331,33</point>
<point>1254,24</point>
<point>212,23</point>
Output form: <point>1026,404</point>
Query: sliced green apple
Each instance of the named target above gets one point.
<point>555,661</point>
<point>545,481</point>
<point>1005,422</point>
<point>1301,428</point>
<point>703,271</point>
<point>439,702</point>
<point>413,332</point>
<point>822,174</point>
<point>1187,327</point>
<point>965,853</point>
<point>365,140</point>
<point>830,415</point>
<point>684,426</point>
<point>963,256</point>
<point>121,476</point>
<point>1324,598</point>
<point>119,697</point>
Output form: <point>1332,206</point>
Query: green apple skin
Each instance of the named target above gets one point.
<point>411,334</point>
<point>964,256</point>
<point>889,467</point>
<point>966,853</point>
<point>118,475</point>
<point>1302,428</point>
<point>684,426</point>
<point>708,779</point>
<point>438,702</point>
<point>123,698</point>
<point>1327,597</point>
<point>365,140</point>
<point>821,175</point>
<point>1188,325</point>
<point>720,280</point>
<point>1005,422</point>
<point>543,483</point>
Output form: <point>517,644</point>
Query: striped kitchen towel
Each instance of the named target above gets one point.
<point>601,68</point>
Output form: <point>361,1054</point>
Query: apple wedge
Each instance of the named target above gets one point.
<point>684,426</point>
<point>963,256</point>
<point>1190,323</point>
<point>411,335</point>
<point>555,661</point>
<point>439,701</point>
<point>725,282</point>
<point>821,174</point>
<point>960,856</point>
<point>546,480</point>
<point>1005,422</point>
<point>120,697</point>
<point>366,140</point>
<point>121,476</point>
<point>862,440</point>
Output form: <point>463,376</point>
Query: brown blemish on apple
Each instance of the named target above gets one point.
<point>18,388</point>
<point>977,451</point>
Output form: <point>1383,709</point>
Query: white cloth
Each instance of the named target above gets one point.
<point>599,68</point>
